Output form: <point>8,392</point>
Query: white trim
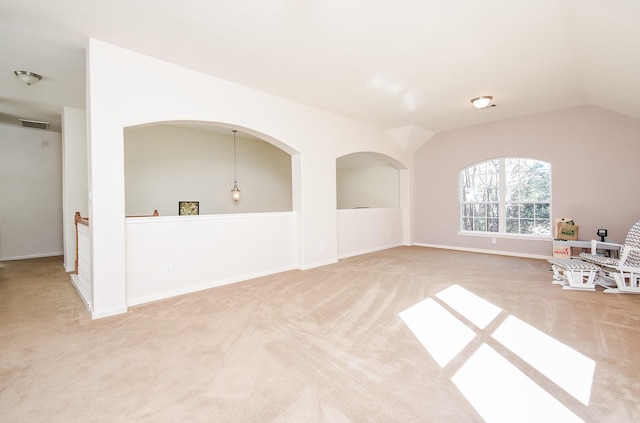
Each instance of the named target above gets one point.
<point>365,209</point>
<point>483,251</point>
<point>75,281</point>
<point>203,217</point>
<point>177,292</point>
<point>30,256</point>
<point>369,250</point>
<point>318,264</point>
<point>108,313</point>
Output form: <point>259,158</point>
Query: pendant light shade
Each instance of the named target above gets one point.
<point>235,192</point>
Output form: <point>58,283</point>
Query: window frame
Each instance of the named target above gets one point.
<point>502,215</point>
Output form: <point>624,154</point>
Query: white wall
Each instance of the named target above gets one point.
<point>204,252</point>
<point>368,186</point>
<point>30,193</point>
<point>118,99</point>
<point>165,164</point>
<point>594,156</point>
<point>365,230</point>
<point>75,178</point>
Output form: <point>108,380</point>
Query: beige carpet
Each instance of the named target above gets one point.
<point>323,345</point>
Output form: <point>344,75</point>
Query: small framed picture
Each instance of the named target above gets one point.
<point>188,208</point>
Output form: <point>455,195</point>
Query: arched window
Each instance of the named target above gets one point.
<point>508,195</point>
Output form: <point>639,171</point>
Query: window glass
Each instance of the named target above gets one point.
<point>508,195</point>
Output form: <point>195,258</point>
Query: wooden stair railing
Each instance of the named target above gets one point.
<point>155,213</point>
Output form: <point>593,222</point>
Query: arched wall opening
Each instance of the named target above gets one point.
<point>167,163</point>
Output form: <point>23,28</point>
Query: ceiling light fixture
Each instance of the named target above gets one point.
<point>27,77</point>
<point>235,192</point>
<point>481,102</point>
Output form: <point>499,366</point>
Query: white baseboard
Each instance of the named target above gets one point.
<point>369,250</point>
<point>483,251</point>
<point>82,291</point>
<point>108,313</point>
<point>195,288</point>
<point>30,256</point>
<point>317,264</point>
<point>69,267</point>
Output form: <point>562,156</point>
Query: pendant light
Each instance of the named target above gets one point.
<point>235,192</point>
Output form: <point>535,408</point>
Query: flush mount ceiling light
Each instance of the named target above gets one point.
<point>481,102</point>
<point>27,77</point>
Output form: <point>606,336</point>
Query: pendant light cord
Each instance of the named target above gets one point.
<point>235,166</point>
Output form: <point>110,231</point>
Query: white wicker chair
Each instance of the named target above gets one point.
<point>624,272</point>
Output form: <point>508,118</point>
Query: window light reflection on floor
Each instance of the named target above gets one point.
<point>565,366</point>
<point>496,388</point>
<point>500,392</point>
<point>441,333</point>
<point>476,309</point>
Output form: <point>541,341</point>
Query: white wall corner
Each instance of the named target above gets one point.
<point>411,137</point>
<point>74,178</point>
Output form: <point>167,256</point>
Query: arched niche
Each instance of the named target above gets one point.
<point>367,180</point>
<point>169,162</point>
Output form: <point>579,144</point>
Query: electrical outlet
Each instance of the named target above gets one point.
<point>494,241</point>
<point>168,269</point>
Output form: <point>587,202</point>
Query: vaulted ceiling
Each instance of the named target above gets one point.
<point>394,64</point>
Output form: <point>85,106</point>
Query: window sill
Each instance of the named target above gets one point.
<point>507,236</point>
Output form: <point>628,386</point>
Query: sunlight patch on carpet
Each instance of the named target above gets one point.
<point>443,340</point>
<point>500,392</point>
<point>565,366</point>
<point>494,386</point>
<point>476,309</point>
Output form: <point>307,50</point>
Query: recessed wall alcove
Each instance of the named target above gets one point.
<point>367,179</point>
<point>369,199</point>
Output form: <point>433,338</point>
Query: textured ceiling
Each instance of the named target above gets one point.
<point>394,64</point>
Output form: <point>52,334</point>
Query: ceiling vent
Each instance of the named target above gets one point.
<point>38,124</point>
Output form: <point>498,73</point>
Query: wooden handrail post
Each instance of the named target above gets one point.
<point>76,219</point>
